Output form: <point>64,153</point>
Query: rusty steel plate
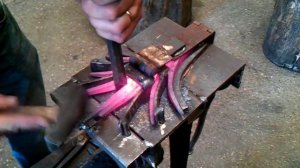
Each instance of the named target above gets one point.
<point>214,69</point>
<point>167,34</point>
<point>141,124</point>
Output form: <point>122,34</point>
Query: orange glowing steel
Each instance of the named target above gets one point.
<point>121,97</point>
<point>104,88</point>
<point>131,85</point>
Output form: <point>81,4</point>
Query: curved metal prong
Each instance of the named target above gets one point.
<point>180,71</point>
<point>157,89</point>
<point>171,74</point>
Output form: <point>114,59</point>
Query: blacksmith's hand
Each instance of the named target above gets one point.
<point>12,122</point>
<point>113,21</point>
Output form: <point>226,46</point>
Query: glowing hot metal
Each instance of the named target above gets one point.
<point>120,98</point>
<point>100,89</point>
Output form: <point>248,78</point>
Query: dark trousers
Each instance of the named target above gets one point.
<point>20,76</point>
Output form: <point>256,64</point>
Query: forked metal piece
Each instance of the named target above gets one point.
<point>155,111</point>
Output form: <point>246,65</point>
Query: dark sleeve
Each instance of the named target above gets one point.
<point>16,51</point>
<point>2,16</point>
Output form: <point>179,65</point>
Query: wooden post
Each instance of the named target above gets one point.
<point>180,11</point>
<point>282,41</point>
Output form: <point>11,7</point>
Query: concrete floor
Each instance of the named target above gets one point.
<point>254,126</point>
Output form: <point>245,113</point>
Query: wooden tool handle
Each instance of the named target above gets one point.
<point>47,112</point>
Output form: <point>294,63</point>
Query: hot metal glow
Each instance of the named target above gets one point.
<point>100,89</point>
<point>132,88</point>
<point>120,98</point>
<point>152,97</point>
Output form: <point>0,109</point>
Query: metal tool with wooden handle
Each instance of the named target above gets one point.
<point>27,118</point>
<point>71,100</point>
<point>71,103</point>
<point>48,112</point>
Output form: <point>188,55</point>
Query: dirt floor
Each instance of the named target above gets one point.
<point>254,126</point>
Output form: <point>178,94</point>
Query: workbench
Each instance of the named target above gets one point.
<point>213,71</point>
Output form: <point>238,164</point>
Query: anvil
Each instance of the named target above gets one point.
<point>172,74</point>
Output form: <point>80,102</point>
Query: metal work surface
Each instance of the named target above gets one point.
<point>205,78</point>
<point>166,33</point>
<point>212,69</point>
<point>124,150</point>
<point>197,70</point>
